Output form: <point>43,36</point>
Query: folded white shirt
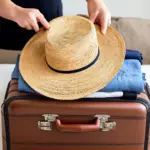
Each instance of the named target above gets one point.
<point>105,94</point>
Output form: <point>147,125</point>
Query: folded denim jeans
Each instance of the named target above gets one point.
<point>129,78</point>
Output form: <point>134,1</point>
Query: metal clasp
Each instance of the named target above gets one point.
<point>104,124</point>
<point>46,125</point>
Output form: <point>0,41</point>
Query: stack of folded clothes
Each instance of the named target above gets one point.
<point>129,81</point>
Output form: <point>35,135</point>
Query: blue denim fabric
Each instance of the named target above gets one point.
<point>129,78</point>
<point>22,85</point>
<point>134,54</point>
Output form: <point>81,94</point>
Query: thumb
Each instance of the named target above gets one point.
<point>93,16</point>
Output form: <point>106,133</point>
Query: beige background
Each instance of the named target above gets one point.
<point>122,8</point>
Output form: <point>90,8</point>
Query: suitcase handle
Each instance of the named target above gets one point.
<point>78,127</point>
<point>101,123</point>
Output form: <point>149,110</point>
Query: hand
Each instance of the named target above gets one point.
<point>99,14</point>
<point>29,18</point>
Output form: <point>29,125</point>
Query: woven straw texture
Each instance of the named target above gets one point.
<point>72,48</point>
<point>71,43</point>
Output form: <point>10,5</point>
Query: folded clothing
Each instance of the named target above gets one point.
<point>129,79</point>
<point>130,54</point>
<point>118,94</point>
<point>24,87</point>
<point>134,54</point>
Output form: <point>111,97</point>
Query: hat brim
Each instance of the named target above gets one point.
<point>49,83</point>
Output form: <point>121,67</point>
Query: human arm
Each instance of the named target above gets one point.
<point>99,14</point>
<point>24,17</point>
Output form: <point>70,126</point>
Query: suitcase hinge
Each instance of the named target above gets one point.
<point>104,124</point>
<point>46,125</point>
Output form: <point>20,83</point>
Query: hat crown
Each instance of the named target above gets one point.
<point>71,43</point>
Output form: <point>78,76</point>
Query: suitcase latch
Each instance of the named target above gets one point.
<point>104,124</point>
<point>46,125</point>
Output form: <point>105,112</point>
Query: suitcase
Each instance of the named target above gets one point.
<point>34,122</point>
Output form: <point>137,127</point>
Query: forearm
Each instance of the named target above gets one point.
<point>7,9</point>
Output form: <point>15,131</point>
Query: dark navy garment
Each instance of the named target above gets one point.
<point>12,36</point>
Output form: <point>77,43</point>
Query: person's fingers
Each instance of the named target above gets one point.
<point>42,20</point>
<point>28,27</point>
<point>93,16</point>
<point>34,24</point>
<point>104,22</point>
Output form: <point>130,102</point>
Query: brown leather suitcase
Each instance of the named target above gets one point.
<point>33,122</point>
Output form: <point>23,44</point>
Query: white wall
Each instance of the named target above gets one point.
<point>124,8</point>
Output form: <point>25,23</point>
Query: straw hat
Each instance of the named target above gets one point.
<point>72,59</point>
